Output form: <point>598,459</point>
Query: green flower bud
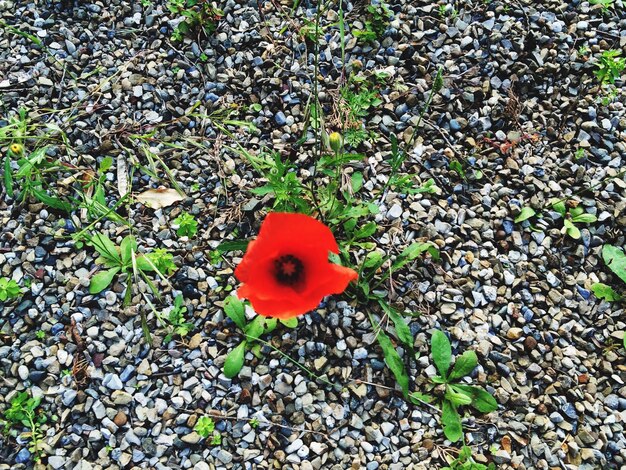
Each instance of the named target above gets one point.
<point>335,141</point>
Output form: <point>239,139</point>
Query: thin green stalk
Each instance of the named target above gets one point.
<point>317,150</point>
<point>436,87</point>
<point>336,387</point>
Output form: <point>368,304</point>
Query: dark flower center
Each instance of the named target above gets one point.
<point>288,270</point>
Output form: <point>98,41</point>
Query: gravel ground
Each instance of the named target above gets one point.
<point>519,99</point>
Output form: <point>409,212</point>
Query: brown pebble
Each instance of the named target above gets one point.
<point>428,444</point>
<point>583,379</point>
<point>542,409</point>
<point>530,343</point>
<point>120,419</point>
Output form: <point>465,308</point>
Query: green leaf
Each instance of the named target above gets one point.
<point>455,165</point>
<point>256,107</point>
<point>452,427</point>
<point>570,229</point>
<point>8,176</point>
<point>414,250</point>
<point>290,322</point>
<point>144,263</point>
<point>236,311</point>
<point>105,164</point>
<point>373,259</point>
<point>270,324</point>
<point>234,360</point>
<point>418,398</point>
<point>237,245</point>
<point>527,213</point>
<point>356,181</point>
<point>441,351</point>
<point>367,230</point>
<point>481,399</point>
<point>458,398</point>
<point>464,365</point>
<point>106,248</point>
<point>102,280</point>
<point>402,329</point>
<point>602,291</point>
<point>255,328</point>
<point>584,218</point>
<point>127,247</point>
<point>52,201</point>
<point>615,259</point>
<point>559,206</point>
<point>394,362</point>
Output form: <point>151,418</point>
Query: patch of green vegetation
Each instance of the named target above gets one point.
<point>465,462</point>
<point>24,412</point>
<point>187,225</point>
<point>175,322</point>
<point>610,66</point>
<point>376,22</point>
<point>199,16</point>
<point>126,259</point>
<point>9,289</point>
<point>235,310</point>
<point>451,391</point>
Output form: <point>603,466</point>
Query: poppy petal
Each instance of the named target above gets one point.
<point>280,229</point>
<point>334,280</point>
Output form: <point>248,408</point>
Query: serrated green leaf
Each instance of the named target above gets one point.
<point>367,230</point>
<point>102,280</point>
<point>236,311</point>
<point>402,329</point>
<point>105,164</point>
<point>481,399</point>
<point>525,214</point>
<point>602,291</point>
<point>441,351</point>
<point>451,421</point>
<point>373,260</point>
<point>414,250</point>
<point>234,360</point>
<point>394,362</point>
<point>464,365</point>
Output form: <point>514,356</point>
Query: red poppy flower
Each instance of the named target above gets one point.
<point>285,271</point>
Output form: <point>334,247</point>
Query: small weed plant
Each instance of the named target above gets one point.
<point>24,412</point>
<point>610,66</point>
<point>450,389</point>
<point>9,289</point>
<point>187,225</point>
<point>198,16</point>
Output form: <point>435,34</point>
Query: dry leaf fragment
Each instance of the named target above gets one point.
<point>122,176</point>
<point>160,197</point>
